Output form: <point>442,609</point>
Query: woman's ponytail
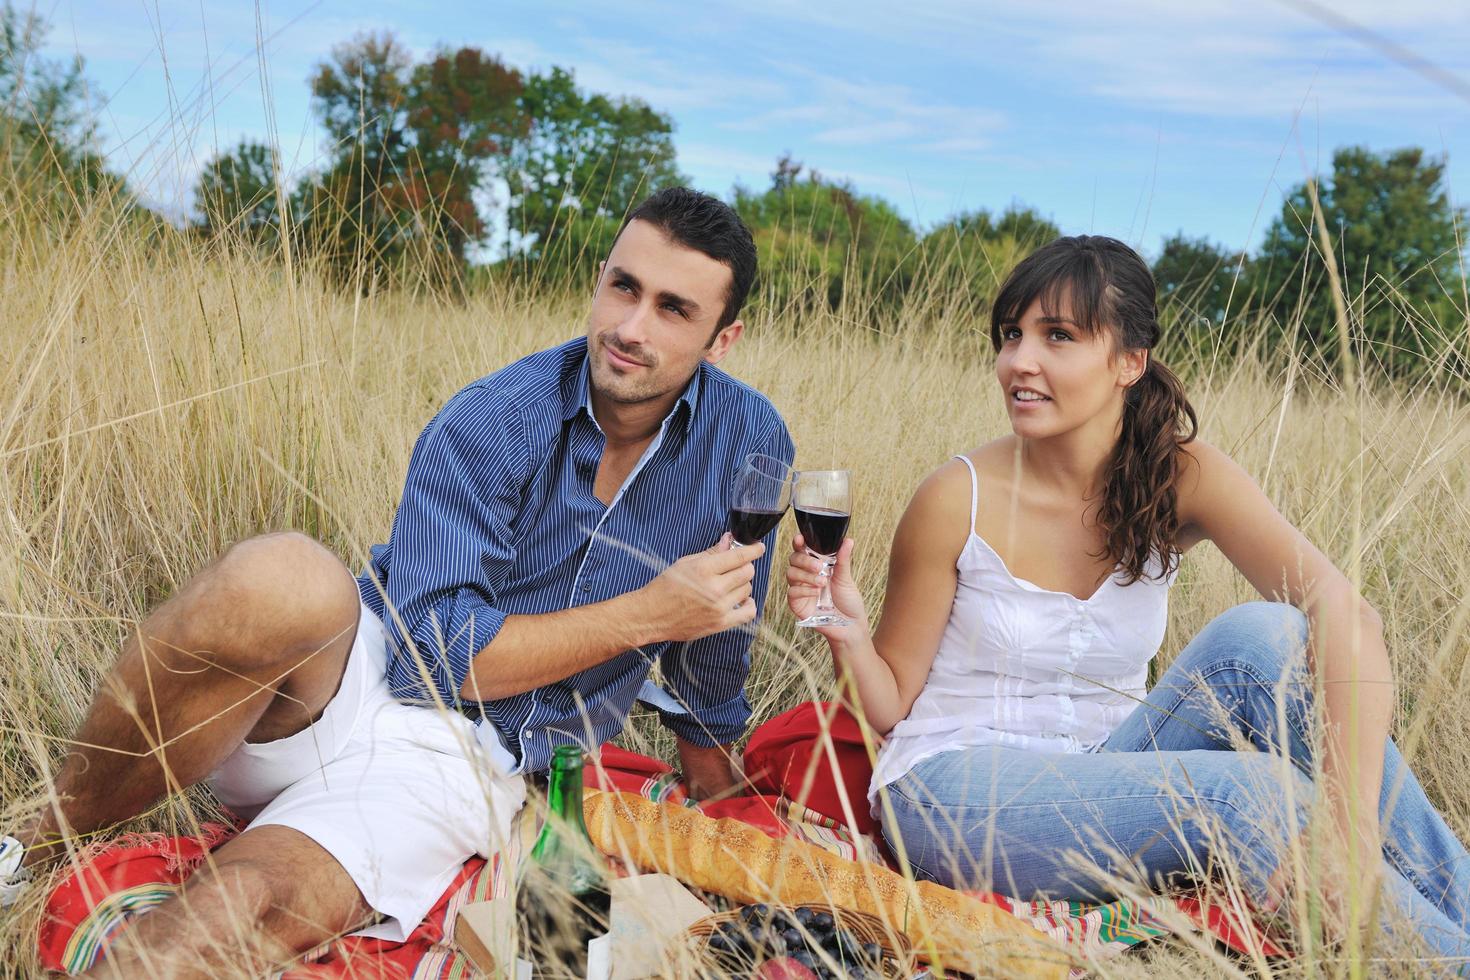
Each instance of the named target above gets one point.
<point>1138,509</point>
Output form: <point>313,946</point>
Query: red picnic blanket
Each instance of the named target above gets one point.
<point>809,765</point>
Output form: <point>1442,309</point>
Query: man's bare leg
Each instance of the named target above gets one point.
<point>252,647</point>
<point>268,895</point>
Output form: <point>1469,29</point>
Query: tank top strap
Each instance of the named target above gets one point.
<point>974,489</point>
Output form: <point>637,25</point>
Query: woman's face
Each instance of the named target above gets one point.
<point>1055,377</point>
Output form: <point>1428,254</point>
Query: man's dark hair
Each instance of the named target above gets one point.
<point>709,225</point>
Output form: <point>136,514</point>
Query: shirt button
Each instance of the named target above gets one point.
<point>586,586</point>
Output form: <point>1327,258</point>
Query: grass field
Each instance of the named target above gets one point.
<point>161,400</point>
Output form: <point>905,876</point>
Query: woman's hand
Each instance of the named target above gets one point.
<point>1329,879</point>
<point>804,583</point>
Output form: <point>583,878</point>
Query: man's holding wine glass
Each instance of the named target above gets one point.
<point>561,529</point>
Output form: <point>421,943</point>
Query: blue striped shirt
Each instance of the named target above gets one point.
<point>498,518</point>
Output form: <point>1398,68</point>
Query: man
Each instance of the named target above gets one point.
<point>560,530</point>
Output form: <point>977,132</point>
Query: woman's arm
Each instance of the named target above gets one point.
<point>887,670</point>
<point>1218,500</point>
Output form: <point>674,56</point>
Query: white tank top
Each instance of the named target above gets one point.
<point>1025,667</point>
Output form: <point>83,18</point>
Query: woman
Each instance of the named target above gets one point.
<point>1027,593</point>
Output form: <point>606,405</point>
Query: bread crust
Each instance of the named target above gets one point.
<point>947,928</point>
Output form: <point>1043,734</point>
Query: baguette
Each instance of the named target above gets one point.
<point>948,929</point>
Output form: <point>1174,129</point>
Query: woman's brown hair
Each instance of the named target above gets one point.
<point>1108,287</point>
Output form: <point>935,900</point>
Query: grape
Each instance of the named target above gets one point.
<point>805,958</point>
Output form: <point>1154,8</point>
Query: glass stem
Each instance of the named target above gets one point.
<point>824,597</point>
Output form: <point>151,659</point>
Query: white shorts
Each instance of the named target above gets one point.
<point>400,795</point>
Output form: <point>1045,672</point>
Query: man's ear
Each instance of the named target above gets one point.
<point>601,268</point>
<point>723,341</point>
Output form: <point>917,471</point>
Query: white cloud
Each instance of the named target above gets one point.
<point>839,112</point>
<point>1205,57</point>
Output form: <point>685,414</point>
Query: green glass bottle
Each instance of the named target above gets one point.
<point>563,897</point>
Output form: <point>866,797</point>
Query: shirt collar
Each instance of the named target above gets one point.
<point>579,397</point>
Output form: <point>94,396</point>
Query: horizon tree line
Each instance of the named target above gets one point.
<point>432,166</point>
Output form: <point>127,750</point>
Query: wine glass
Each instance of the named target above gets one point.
<point>823,500</point>
<point>758,497</point>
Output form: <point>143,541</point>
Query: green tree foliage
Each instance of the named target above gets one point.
<point>1197,275</point>
<point>582,163</point>
<point>819,238</point>
<point>1393,230</point>
<point>237,191</point>
<point>412,149</point>
<point>1204,291</point>
<point>351,214</point>
<point>967,256</point>
<point>48,134</point>
<point>464,111</point>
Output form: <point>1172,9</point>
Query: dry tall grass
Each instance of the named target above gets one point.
<point>163,400</point>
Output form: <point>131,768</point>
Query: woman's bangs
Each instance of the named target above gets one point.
<point>1066,280</point>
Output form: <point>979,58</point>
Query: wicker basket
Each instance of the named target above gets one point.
<point>690,955</point>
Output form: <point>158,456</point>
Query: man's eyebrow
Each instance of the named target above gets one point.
<point>689,306</point>
<point>684,303</point>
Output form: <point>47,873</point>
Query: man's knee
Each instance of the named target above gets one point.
<point>287,591</point>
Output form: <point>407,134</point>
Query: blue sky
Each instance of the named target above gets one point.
<point>1134,118</point>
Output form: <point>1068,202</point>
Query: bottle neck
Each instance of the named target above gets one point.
<point>564,799</point>
<point>564,843</point>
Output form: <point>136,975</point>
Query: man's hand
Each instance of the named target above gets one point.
<point>702,594</point>
<point>708,772</point>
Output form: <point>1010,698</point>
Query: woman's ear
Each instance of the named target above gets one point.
<point>1135,363</point>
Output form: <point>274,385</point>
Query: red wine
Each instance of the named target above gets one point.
<point>823,529</point>
<point>749,526</point>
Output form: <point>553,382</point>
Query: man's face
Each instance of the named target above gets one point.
<point>653,316</point>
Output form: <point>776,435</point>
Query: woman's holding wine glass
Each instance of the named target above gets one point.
<point>1027,593</point>
<point>823,508</point>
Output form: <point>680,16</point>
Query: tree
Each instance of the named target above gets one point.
<point>817,237</point>
<point>237,189</point>
<point>413,149</point>
<point>967,256</point>
<point>1393,230</point>
<point>464,111</point>
<point>48,132</point>
<point>1199,276</point>
<point>1018,222</point>
<point>583,162</point>
<point>351,214</point>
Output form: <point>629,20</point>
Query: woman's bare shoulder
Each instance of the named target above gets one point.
<point>994,460</point>
<point>1204,471</point>
<point>946,488</point>
<point>940,507</point>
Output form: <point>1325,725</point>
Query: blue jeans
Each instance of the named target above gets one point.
<point>1169,794</point>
